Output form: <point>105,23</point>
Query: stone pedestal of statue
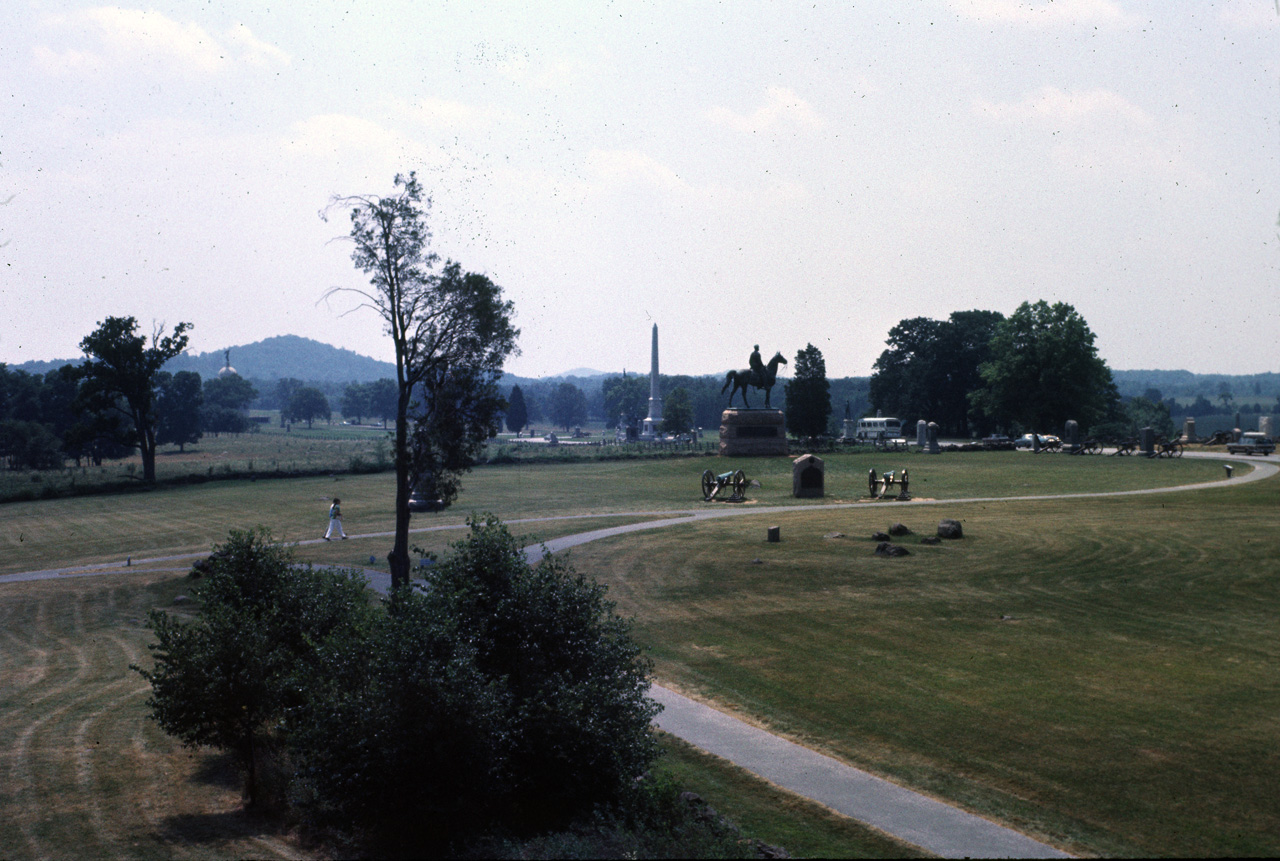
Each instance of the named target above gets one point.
<point>752,432</point>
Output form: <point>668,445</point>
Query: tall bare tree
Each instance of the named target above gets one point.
<point>451,331</point>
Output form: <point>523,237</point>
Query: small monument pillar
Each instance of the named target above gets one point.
<point>922,434</point>
<point>1189,429</point>
<point>1071,434</point>
<point>933,448</point>
<point>1148,437</point>
<point>808,476</point>
<point>1265,426</point>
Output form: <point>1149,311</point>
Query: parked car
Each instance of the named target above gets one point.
<point>1046,441</point>
<point>1252,443</point>
<point>997,442</point>
<point>418,501</point>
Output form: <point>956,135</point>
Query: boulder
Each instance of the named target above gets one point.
<point>950,529</point>
<point>884,548</point>
<point>879,536</point>
<point>931,539</point>
<point>899,529</point>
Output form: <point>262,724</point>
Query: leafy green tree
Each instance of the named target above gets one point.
<point>627,397</point>
<point>931,366</point>
<point>119,374</point>
<point>677,412</point>
<point>229,390</point>
<point>517,413</point>
<point>568,405</point>
<point>808,404</point>
<point>1044,369</point>
<point>456,413</point>
<point>355,401</point>
<point>445,328</point>
<point>383,399</point>
<point>574,683</point>
<point>29,445</point>
<point>307,405</point>
<point>229,678</point>
<point>178,401</point>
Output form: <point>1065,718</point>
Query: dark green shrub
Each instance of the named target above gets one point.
<point>228,678</point>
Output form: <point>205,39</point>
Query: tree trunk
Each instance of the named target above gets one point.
<point>398,558</point>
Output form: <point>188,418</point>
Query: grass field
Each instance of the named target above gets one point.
<point>188,519</point>
<point>1126,705</point>
<point>1099,673</point>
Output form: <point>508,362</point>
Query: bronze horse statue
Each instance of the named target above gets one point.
<point>747,377</point>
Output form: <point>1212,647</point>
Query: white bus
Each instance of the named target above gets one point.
<point>878,430</point>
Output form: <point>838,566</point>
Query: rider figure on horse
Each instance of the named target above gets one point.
<point>757,367</point>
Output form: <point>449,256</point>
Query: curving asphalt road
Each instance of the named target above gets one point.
<point>917,819</point>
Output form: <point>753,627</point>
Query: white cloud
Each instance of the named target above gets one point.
<point>124,37</point>
<point>782,107</point>
<point>1054,106</point>
<point>332,134</point>
<point>446,114</point>
<point>621,167</point>
<point>1045,12</point>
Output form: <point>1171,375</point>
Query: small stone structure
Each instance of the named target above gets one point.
<point>1264,425</point>
<point>1189,429</point>
<point>752,433</point>
<point>1071,434</point>
<point>949,528</point>
<point>774,534</point>
<point>922,434</point>
<point>933,439</point>
<point>1147,436</point>
<point>808,475</point>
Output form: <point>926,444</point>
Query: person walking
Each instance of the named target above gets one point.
<point>335,519</point>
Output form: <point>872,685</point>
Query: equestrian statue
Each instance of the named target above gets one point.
<point>758,376</point>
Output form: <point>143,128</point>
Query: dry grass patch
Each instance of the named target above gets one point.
<point>83,771</point>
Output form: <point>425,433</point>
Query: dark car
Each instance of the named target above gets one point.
<point>418,501</point>
<point>1252,443</point>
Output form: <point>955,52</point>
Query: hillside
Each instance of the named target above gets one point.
<point>269,359</point>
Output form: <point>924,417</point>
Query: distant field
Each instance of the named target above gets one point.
<point>185,519</point>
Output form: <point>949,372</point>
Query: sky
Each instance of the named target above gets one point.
<point>738,173</point>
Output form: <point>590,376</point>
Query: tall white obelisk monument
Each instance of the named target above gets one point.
<point>653,423</point>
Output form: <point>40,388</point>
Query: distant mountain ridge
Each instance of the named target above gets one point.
<point>288,356</point>
<point>269,359</point>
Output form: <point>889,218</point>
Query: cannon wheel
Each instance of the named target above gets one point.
<point>1176,450</point>
<point>708,483</point>
<point>739,483</point>
<point>1093,447</point>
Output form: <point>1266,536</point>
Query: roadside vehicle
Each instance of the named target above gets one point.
<point>878,430</point>
<point>1047,441</point>
<point>1252,443</point>
<point>997,442</point>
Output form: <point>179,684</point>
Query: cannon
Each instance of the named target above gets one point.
<point>878,488</point>
<point>713,484</point>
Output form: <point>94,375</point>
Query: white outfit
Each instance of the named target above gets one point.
<point>335,521</point>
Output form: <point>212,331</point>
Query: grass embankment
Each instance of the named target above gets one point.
<point>1099,673</point>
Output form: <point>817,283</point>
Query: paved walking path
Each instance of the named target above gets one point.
<point>932,825</point>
